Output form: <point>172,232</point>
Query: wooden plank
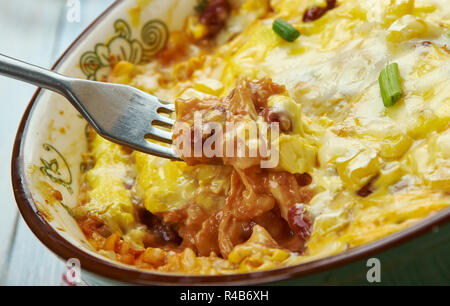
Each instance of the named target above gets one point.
<point>30,263</point>
<point>26,34</point>
<point>69,31</point>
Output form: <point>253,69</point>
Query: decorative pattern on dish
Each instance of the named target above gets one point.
<point>51,169</point>
<point>123,47</point>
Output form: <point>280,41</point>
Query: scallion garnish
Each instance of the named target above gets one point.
<point>390,86</point>
<point>285,30</point>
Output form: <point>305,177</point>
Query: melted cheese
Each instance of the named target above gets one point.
<point>108,198</point>
<point>166,185</point>
<point>332,72</point>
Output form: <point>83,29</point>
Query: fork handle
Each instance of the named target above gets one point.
<point>35,75</point>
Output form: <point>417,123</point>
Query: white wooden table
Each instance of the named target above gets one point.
<point>37,32</point>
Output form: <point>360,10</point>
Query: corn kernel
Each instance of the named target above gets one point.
<point>406,28</point>
<point>209,86</point>
<point>357,171</point>
<point>279,255</point>
<point>195,28</point>
<point>154,256</point>
<point>395,146</point>
<point>123,72</point>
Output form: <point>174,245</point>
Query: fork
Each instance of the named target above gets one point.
<point>119,113</point>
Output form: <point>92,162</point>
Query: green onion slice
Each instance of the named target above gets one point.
<point>285,30</point>
<point>390,86</point>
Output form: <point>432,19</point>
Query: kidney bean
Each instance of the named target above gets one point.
<point>284,119</point>
<point>303,179</point>
<point>316,12</point>
<point>158,227</point>
<point>215,15</point>
<point>299,221</point>
<point>368,188</point>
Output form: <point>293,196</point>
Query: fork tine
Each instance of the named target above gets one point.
<point>165,120</point>
<point>158,150</point>
<point>159,134</point>
<point>163,101</point>
<point>166,106</point>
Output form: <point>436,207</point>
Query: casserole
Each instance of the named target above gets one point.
<point>58,166</point>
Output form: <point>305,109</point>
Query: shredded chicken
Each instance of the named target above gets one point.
<point>254,192</point>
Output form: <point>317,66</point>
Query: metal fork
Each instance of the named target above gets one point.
<point>119,113</point>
